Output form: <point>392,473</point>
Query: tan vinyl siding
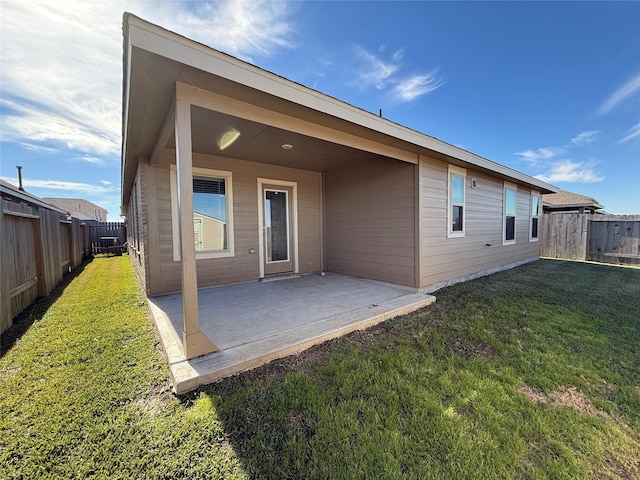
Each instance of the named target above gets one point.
<point>243,266</point>
<point>444,259</point>
<point>137,237</point>
<point>370,222</point>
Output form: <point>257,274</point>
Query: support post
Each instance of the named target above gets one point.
<point>195,343</point>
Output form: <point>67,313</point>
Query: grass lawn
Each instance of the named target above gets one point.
<point>530,373</point>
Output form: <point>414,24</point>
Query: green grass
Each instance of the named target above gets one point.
<point>447,392</point>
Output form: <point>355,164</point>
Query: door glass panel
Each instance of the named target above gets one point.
<point>276,224</point>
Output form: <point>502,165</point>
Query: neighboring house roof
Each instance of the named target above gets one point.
<point>154,54</point>
<point>10,190</point>
<point>80,208</point>
<point>569,200</point>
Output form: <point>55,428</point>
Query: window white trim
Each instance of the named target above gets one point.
<point>175,226</point>
<point>532,215</point>
<point>513,187</point>
<point>454,171</point>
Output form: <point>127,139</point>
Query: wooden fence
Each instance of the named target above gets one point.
<point>599,238</point>
<point>107,237</point>
<point>38,246</point>
<point>615,241</point>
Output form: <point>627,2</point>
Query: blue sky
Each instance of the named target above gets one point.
<point>548,88</point>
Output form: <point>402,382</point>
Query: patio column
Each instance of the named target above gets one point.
<point>194,342</point>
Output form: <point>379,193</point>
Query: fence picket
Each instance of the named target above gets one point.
<point>599,238</point>
<point>40,245</point>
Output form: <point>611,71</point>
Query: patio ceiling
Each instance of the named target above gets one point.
<point>263,143</point>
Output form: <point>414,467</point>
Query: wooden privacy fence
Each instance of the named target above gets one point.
<point>38,246</point>
<point>598,238</point>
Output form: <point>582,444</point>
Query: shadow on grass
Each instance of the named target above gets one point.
<point>38,308</point>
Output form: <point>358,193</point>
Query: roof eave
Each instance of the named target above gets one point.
<point>153,38</point>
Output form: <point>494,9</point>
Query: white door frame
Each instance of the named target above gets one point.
<point>294,219</point>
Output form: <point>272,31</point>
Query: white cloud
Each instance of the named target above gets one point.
<point>91,159</point>
<point>68,187</point>
<point>240,27</point>
<point>61,61</point>
<point>545,153</point>
<point>382,74</point>
<point>38,148</point>
<point>634,132</point>
<point>584,138</point>
<point>106,182</point>
<point>620,95</point>
<point>375,72</point>
<point>68,127</point>
<point>571,172</point>
<point>411,87</point>
<point>397,55</point>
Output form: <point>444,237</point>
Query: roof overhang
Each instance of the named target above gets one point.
<point>595,206</point>
<point>155,59</point>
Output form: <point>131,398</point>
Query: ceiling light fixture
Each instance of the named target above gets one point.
<point>287,146</point>
<point>227,138</point>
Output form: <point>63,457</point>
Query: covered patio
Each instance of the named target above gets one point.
<point>256,322</point>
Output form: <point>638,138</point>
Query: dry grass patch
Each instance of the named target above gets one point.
<point>561,397</point>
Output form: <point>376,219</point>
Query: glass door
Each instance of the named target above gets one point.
<point>277,230</point>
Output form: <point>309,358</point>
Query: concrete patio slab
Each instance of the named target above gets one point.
<point>255,323</point>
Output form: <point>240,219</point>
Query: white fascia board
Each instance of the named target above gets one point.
<point>126,91</point>
<point>171,45</point>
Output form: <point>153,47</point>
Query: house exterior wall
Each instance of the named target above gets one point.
<point>137,227</point>
<point>165,274</point>
<point>372,226</point>
<point>370,222</point>
<point>444,260</point>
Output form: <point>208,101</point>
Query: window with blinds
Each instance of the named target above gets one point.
<point>210,214</point>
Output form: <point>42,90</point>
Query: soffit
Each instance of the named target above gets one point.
<point>263,143</point>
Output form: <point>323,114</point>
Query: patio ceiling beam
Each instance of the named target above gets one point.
<point>194,342</point>
<point>237,108</point>
<point>165,132</point>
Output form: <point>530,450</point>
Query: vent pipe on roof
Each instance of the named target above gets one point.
<point>20,178</point>
<point>380,113</point>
